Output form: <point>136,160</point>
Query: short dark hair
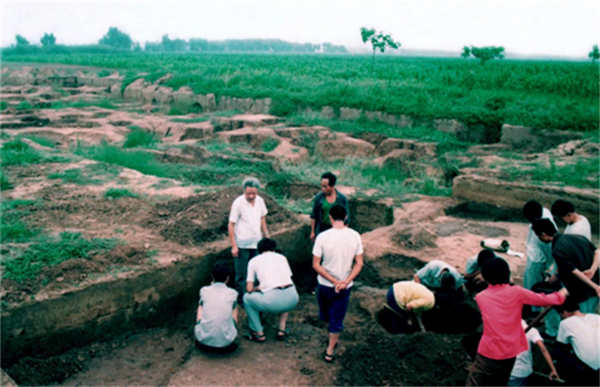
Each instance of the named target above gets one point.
<point>532,210</point>
<point>221,270</point>
<point>545,226</point>
<point>448,281</point>
<point>338,212</point>
<point>568,306</point>
<point>266,244</point>
<point>484,256</point>
<point>331,178</point>
<point>496,271</point>
<point>561,208</point>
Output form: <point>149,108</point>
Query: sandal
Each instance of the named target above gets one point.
<point>328,358</point>
<point>282,334</point>
<point>252,336</point>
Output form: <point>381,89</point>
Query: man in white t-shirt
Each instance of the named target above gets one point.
<point>523,367</point>
<point>539,254</point>
<point>337,259</point>
<point>275,292</point>
<point>576,223</point>
<point>246,220</point>
<point>578,358</point>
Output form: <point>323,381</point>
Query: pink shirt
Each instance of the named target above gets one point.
<point>501,306</point>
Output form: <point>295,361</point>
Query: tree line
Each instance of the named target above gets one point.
<point>117,40</point>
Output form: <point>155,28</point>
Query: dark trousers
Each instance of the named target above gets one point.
<point>490,372</point>
<point>241,271</point>
<point>572,370</point>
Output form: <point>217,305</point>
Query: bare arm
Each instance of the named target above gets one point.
<point>199,314</point>
<point>263,226</point>
<point>234,249</point>
<point>553,374</point>
<point>583,278</point>
<point>592,270</point>
<point>312,229</point>
<point>358,265</point>
<point>322,272</point>
<point>416,279</point>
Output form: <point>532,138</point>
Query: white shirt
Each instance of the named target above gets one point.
<point>582,334</point>
<point>430,274</point>
<point>217,327</point>
<point>247,219</point>
<point>472,265</point>
<point>271,270</point>
<point>538,251</point>
<point>524,363</point>
<point>582,227</point>
<point>337,247</point>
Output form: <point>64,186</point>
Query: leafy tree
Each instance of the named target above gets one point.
<point>594,54</point>
<point>173,44</point>
<point>21,41</point>
<point>117,39</point>
<point>379,41</point>
<point>48,40</point>
<point>466,52</point>
<point>485,54</point>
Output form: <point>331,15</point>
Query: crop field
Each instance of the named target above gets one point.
<point>538,94</point>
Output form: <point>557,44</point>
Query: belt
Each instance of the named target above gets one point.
<point>284,286</point>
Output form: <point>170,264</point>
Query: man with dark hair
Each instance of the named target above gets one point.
<point>323,202</point>
<point>247,225</point>
<point>576,352</point>
<point>503,337</point>
<point>474,280</point>
<point>577,260</point>
<point>576,223</point>
<point>337,259</point>
<point>433,273</point>
<point>217,314</point>
<point>275,292</point>
<point>539,255</point>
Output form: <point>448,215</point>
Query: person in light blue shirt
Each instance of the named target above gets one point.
<point>437,275</point>
<point>217,315</point>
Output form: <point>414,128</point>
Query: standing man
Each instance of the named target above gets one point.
<point>337,259</point>
<point>324,200</point>
<point>576,224</point>
<point>246,220</point>
<point>539,254</point>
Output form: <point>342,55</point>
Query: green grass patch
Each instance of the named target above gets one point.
<point>4,181</point>
<point>18,152</point>
<point>116,193</point>
<point>43,141</point>
<point>12,227</point>
<point>140,138</point>
<point>582,173</point>
<point>103,74</point>
<point>269,144</point>
<point>3,105</point>
<point>182,109</point>
<point>104,103</point>
<point>24,105</point>
<point>49,251</point>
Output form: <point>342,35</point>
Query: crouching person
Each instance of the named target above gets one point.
<point>407,300</point>
<point>217,313</point>
<point>275,292</point>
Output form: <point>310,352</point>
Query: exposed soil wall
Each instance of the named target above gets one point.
<point>514,195</point>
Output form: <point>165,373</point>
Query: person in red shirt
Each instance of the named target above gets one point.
<point>503,337</point>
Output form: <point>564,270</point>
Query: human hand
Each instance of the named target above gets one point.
<point>340,285</point>
<point>408,307</point>
<point>564,292</point>
<point>553,278</point>
<point>588,273</point>
<point>312,237</point>
<point>553,375</point>
<point>235,252</point>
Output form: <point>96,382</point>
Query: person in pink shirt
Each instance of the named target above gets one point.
<point>503,337</point>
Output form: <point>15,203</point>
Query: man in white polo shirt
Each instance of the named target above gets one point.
<point>337,259</point>
<point>246,220</point>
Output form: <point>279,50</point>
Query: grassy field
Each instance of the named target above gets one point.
<point>541,94</point>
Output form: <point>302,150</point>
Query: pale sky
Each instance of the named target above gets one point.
<point>526,27</point>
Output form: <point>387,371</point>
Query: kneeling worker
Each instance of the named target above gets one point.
<point>275,292</point>
<point>217,316</point>
<point>408,299</point>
